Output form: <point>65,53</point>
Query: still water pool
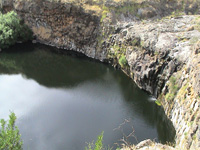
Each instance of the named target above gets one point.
<point>64,101</point>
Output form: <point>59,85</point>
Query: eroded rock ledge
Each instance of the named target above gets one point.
<point>160,55</point>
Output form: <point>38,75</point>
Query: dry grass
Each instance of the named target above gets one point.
<point>96,1</point>
<point>94,8</point>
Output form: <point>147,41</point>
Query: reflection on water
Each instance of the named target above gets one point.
<point>62,101</point>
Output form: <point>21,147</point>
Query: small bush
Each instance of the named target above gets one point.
<point>122,61</point>
<point>10,139</point>
<point>12,30</point>
<point>98,144</point>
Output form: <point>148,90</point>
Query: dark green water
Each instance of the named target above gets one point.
<point>63,101</point>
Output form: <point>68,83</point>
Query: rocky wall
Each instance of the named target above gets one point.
<point>163,57</point>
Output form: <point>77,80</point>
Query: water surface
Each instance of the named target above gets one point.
<point>64,101</point>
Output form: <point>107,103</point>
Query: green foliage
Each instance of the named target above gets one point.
<point>118,53</point>
<point>173,89</point>
<point>186,134</point>
<point>10,139</point>
<point>122,61</point>
<point>104,13</point>
<point>12,29</point>
<point>158,102</point>
<point>98,144</point>
<point>194,137</point>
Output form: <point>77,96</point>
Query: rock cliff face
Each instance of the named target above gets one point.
<point>65,26</point>
<point>161,56</point>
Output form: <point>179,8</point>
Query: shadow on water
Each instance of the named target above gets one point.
<point>48,69</point>
<point>54,69</point>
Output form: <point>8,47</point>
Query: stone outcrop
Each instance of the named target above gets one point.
<point>149,145</point>
<point>161,56</point>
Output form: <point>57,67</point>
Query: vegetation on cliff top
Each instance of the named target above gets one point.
<point>12,30</point>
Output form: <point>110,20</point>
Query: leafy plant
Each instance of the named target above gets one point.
<point>98,144</point>
<point>10,139</point>
<point>12,30</point>
<point>158,102</point>
<point>122,61</point>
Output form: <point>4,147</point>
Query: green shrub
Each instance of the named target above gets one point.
<point>10,139</point>
<point>122,61</point>
<point>98,144</point>
<point>12,30</point>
